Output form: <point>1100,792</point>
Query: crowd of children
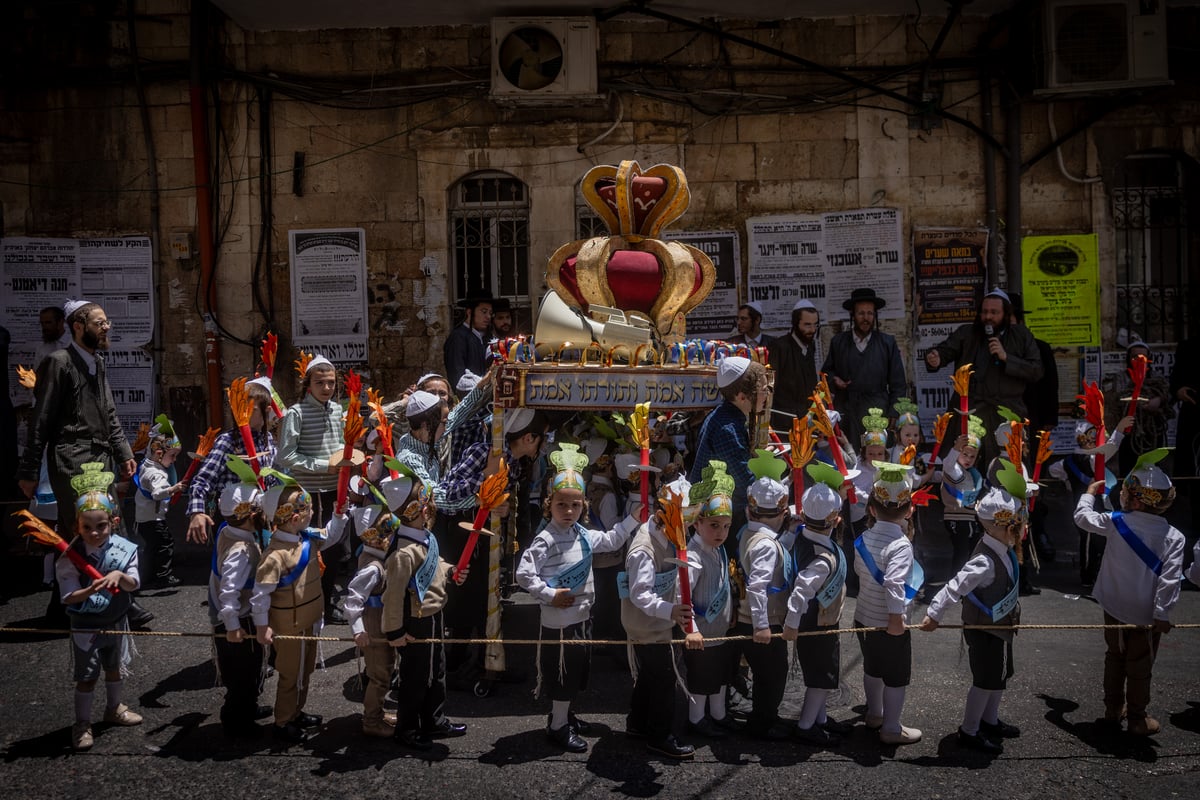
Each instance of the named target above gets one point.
<point>693,610</point>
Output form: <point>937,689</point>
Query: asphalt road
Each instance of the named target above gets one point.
<point>180,750</point>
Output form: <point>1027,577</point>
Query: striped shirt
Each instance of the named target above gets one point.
<point>893,555</point>
<point>310,434</point>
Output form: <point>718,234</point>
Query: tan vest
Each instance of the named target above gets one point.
<point>640,626</point>
<point>776,601</point>
<point>399,598</point>
<point>299,605</point>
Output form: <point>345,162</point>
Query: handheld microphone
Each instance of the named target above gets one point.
<point>990,331</point>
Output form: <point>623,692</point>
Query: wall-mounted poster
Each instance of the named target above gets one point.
<point>717,315</point>
<point>329,292</point>
<point>1061,281</point>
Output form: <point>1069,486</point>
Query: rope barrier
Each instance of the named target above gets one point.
<point>707,639</point>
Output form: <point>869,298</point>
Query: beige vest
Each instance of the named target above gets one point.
<point>299,605</point>
<point>776,601</point>
<point>640,626</point>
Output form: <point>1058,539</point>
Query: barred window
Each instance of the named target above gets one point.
<point>489,228</point>
<point>588,224</point>
<point>1156,256</point>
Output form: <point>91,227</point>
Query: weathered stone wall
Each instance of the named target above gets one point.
<point>74,157</point>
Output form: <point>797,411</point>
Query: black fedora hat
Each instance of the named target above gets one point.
<point>474,298</point>
<point>864,296</point>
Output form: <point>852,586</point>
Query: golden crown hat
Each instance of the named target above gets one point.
<point>631,269</point>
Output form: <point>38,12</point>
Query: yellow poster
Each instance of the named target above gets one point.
<point>1061,279</point>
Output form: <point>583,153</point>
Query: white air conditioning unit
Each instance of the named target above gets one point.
<point>1105,45</point>
<point>543,60</point>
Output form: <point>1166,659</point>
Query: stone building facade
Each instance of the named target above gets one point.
<point>392,124</point>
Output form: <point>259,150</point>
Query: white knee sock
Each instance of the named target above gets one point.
<point>695,707</point>
<point>559,709</point>
<point>874,689</point>
<point>716,704</point>
<point>113,690</point>
<point>83,705</point>
<point>977,700</point>
<point>991,714</point>
<point>893,705</point>
<point>814,705</point>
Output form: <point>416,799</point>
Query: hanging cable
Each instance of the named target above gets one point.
<point>1062,167</point>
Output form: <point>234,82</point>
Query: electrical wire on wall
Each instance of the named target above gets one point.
<point>1062,167</point>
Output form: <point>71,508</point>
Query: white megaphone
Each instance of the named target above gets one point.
<point>558,323</point>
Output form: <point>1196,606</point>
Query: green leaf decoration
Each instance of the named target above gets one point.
<point>875,421</point>
<point>766,465</point>
<point>241,468</point>
<point>283,478</point>
<point>1150,457</point>
<point>824,473</point>
<point>1011,479</point>
<point>1008,414</point>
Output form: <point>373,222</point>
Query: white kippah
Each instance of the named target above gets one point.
<point>804,305</point>
<point>517,419</point>
<point>998,502</point>
<point>237,494</point>
<point>419,401</point>
<point>318,361</point>
<point>467,382</point>
<point>820,502</point>
<point>767,494</point>
<point>730,369</point>
<point>71,306</point>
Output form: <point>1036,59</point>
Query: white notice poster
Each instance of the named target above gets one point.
<point>863,249</point>
<point>786,265</point>
<point>329,297</point>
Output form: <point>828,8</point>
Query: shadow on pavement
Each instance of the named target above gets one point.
<point>1103,737</point>
<point>199,677</point>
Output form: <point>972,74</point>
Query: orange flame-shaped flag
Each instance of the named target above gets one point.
<point>375,403</point>
<point>494,489</point>
<point>822,389</point>
<point>672,520</point>
<point>909,455</point>
<point>821,421</point>
<point>962,379</point>
<point>240,404</point>
<point>270,349</point>
<point>1045,448</point>
<point>802,442</point>
<point>37,530</point>
<point>1015,446</point>
<point>302,363</point>
<point>142,439</point>
<point>26,377</point>
<point>205,445</point>
<point>941,425</point>
<point>639,424</point>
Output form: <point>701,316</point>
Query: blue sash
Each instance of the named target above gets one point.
<point>116,553</point>
<point>575,576</point>
<point>789,570</point>
<point>967,497</point>
<point>216,568</point>
<point>663,582</point>
<point>137,482</point>
<point>916,578</point>
<point>298,570</point>
<point>1006,603</point>
<point>374,601</point>
<point>834,583</point>
<point>1152,562</point>
<point>1110,480</point>
<point>717,604</point>
<point>422,579</point>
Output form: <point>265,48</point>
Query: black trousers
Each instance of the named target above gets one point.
<point>159,545</point>
<point>769,668</point>
<point>242,672</point>
<point>422,676</point>
<point>652,705</point>
<point>466,605</point>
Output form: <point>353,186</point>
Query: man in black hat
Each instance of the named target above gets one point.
<point>466,346</point>
<point>864,365</point>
